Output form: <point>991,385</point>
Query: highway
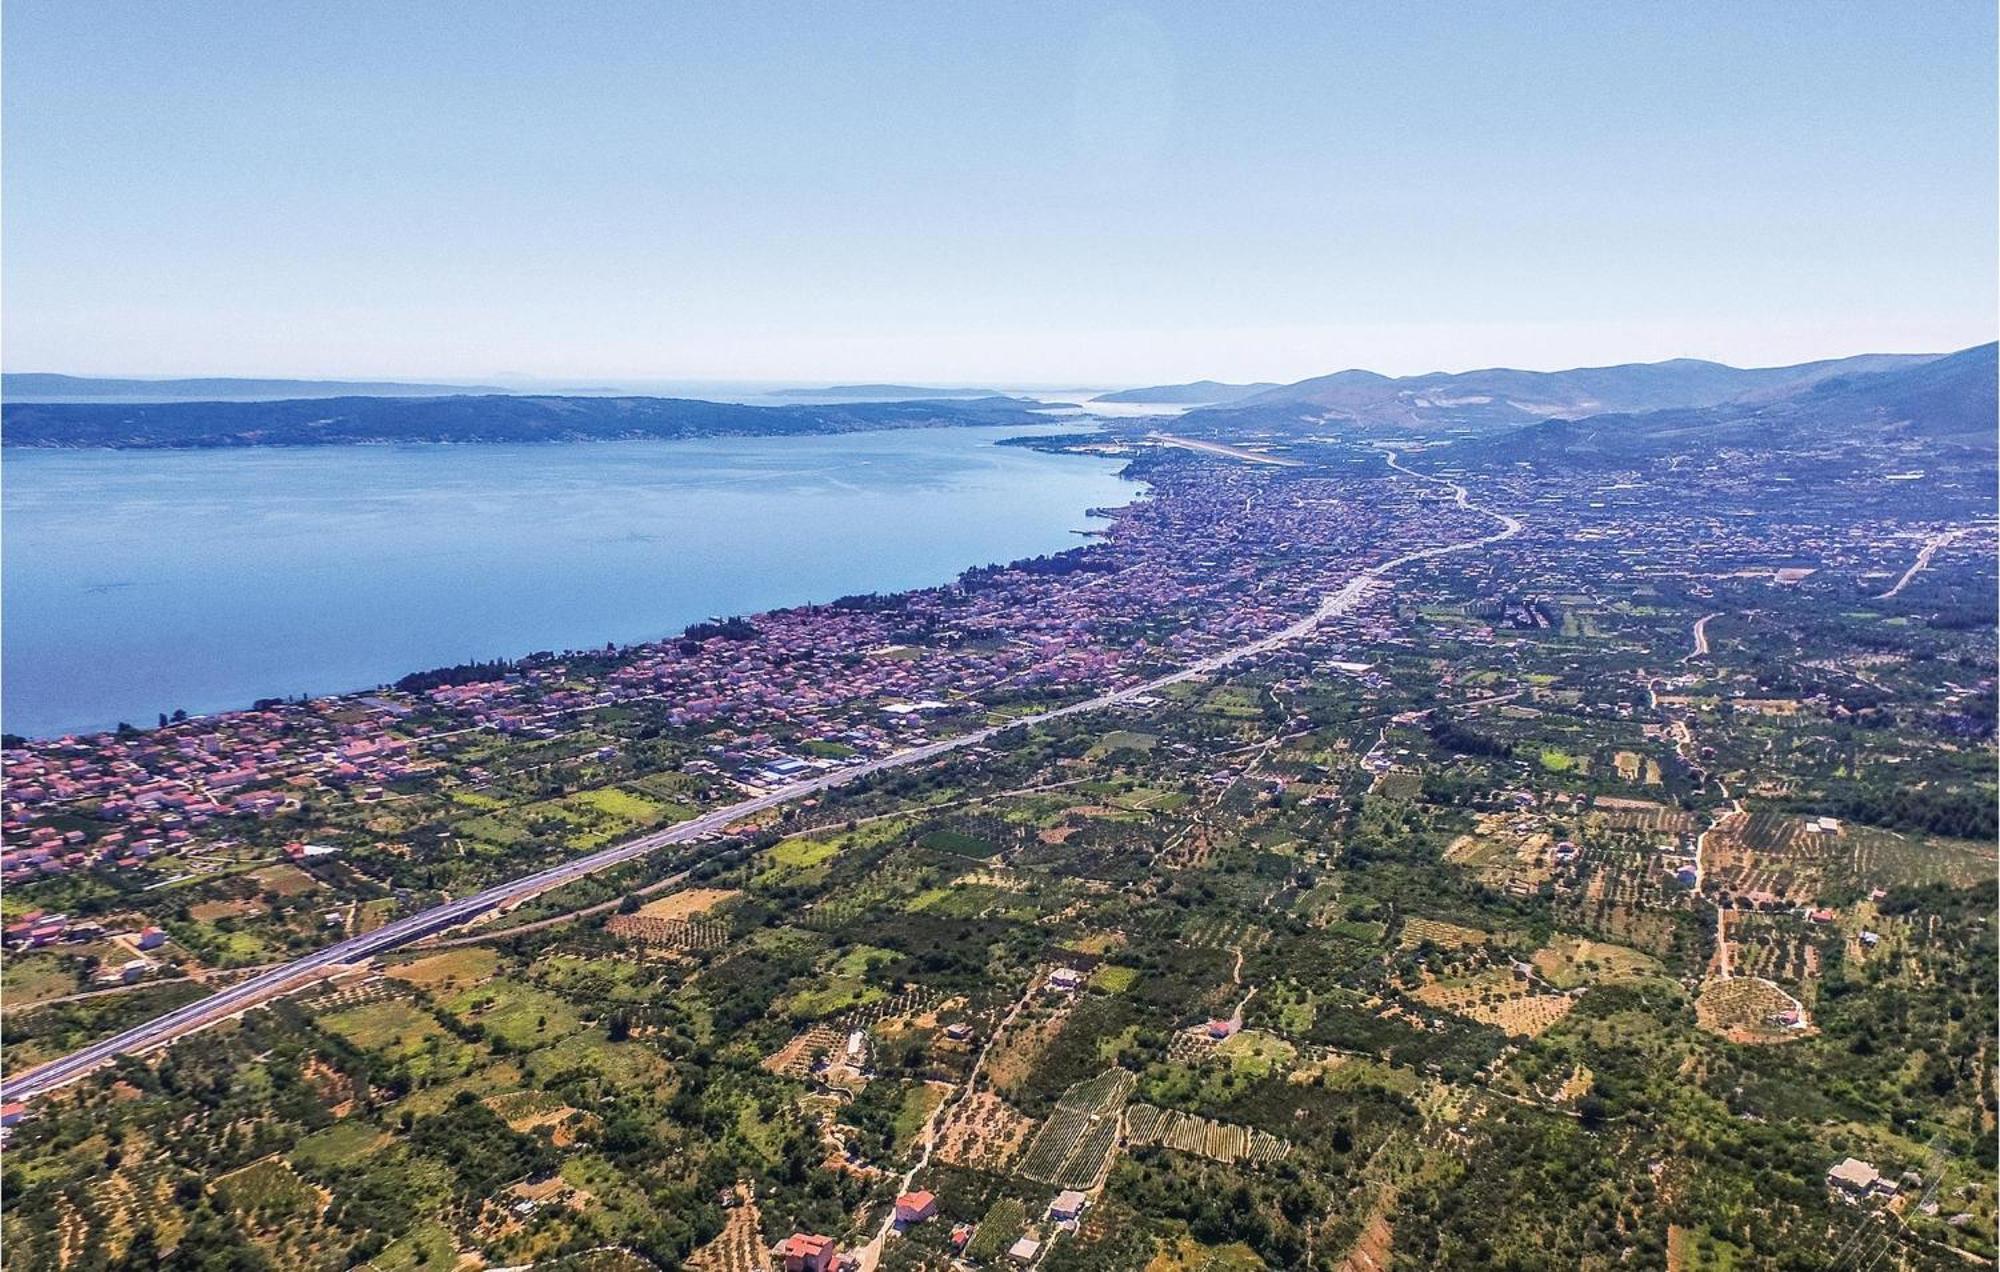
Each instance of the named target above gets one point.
<point>288,977</point>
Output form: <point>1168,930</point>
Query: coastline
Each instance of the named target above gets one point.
<point>600,642</point>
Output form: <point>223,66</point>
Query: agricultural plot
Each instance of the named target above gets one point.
<point>1627,897</point>
<point>1642,816</point>
<point>1776,947</point>
<point>1571,961</point>
<point>1886,859</point>
<point>1747,1009</point>
<point>1220,1141</point>
<point>1449,936</point>
<point>673,934</point>
<point>521,1015</point>
<point>1495,998</point>
<point>451,969</point>
<point>1516,861</point>
<point>1768,857</point>
<point>739,1247</point>
<point>984,1132</point>
<point>1073,1149</point>
<point>269,1192</point>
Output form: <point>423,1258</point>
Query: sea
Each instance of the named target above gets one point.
<point>138,582</point>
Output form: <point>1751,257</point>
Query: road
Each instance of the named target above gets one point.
<point>1700,637</point>
<point>295,975</point>
<point>1924,555</point>
<point>1224,450</point>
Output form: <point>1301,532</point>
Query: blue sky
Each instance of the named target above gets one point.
<point>1023,193</point>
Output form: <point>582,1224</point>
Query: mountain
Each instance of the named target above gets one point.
<point>1948,404</point>
<point>1199,393</point>
<point>883,393</point>
<point>349,420</point>
<point>23,386</point>
<point>1501,397</point>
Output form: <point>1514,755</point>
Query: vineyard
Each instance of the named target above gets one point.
<point>1222,1141</point>
<point>1074,1147</point>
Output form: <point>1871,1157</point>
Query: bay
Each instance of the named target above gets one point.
<point>137,582</point>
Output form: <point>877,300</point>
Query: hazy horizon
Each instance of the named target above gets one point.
<point>642,382</point>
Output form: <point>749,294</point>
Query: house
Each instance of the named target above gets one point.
<point>915,1207</point>
<point>808,1252</point>
<point>1024,1250</point>
<point>12,1113</point>
<point>1857,1180</point>
<point>1068,1204</point>
<point>1220,1029</point>
<point>1066,979</point>
<point>151,938</point>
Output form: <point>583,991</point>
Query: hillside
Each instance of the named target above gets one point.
<point>1948,403</point>
<point>1197,393</point>
<point>1504,398</point>
<point>348,420</point>
<point>19,386</point>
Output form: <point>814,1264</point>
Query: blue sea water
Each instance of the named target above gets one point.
<point>137,582</point>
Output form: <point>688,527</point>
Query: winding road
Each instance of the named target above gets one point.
<point>289,977</point>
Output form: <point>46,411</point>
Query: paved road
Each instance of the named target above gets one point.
<point>1924,555</point>
<point>295,975</point>
<point>1700,637</point>
<point>1228,452</point>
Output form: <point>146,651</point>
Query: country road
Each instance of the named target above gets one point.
<point>290,977</point>
<point>1700,637</point>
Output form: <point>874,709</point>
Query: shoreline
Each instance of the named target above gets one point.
<point>1089,537</point>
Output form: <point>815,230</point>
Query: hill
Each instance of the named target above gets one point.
<point>1504,398</point>
<point>1947,403</point>
<point>22,386</point>
<point>349,420</point>
<point>1197,393</point>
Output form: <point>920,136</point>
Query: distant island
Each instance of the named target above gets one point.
<point>19,386</point>
<point>1197,393</point>
<point>884,392</point>
<point>489,418</point>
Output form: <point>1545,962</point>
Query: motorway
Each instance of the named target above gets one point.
<point>292,976</point>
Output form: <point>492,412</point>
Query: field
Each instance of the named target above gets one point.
<point>520,1015</point>
<point>1074,1147</point>
<point>1448,936</point>
<point>983,1131</point>
<point>687,903</point>
<point>1742,1009</point>
<point>1495,998</point>
<point>269,1191</point>
<point>1570,961</point>
<point>449,970</point>
<point>394,1026</point>
<point>1222,1141</point>
<point>739,1247</point>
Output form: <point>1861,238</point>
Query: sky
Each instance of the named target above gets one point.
<point>1021,194</point>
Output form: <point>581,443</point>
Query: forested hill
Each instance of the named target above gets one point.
<point>352,420</point>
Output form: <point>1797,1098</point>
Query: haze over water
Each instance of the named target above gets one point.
<point>138,582</point>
